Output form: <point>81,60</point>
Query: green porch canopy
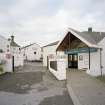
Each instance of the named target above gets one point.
<point>80,50</point>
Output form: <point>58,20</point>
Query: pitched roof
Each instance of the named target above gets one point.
<point>3,37</point>
<point>51,44</point>
<point>90,38</point>
<point>97,36</point>
<point>29,45</point>
<point>14,44</point>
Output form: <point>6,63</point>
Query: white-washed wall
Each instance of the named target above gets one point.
<point>47,51</point>
<point>84,62</point>
<point>15,50</point>
<point>18,56</point>
<point>4,44</point>
<point>7,62</point>
<point>60,73</point>
<point>102,44</point>
<point>30,52</point>
<point>95,68</point>
<point>18,60</point>
<point>5,47</point>
<point>23,53</point>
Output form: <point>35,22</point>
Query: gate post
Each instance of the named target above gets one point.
<point>13,64</point>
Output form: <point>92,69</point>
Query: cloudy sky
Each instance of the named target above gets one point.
<point>44,21</point>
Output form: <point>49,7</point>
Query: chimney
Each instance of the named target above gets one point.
<point>9,39</point>
<point>90,29</point>
<point>12,38</point>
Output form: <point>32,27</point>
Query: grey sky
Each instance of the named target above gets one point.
<point>44,21</point>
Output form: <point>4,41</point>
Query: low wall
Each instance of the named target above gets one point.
<point>58,68</point>
<point>18,60</point>
<point>6,60</point>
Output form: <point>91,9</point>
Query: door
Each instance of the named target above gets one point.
<point>73,61</point>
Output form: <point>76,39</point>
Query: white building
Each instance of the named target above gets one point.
<point>4,44</point>
<point>32,52</point>
<point>84,50</point>
<point>49,49</point>
<point>16,53</point>
<point>5,55</point>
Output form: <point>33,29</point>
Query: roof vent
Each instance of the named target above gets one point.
<point>90,29</point>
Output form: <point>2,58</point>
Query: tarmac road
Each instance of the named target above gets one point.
<point>32,85</point>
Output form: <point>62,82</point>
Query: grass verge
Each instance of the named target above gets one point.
<point>101,78</point>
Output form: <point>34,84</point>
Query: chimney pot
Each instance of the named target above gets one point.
<point>9,39</point>
<point>12,38</point>
<point>90,29</point>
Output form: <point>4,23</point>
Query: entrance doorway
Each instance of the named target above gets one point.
<point>47,62</point>
<point>72,60</point>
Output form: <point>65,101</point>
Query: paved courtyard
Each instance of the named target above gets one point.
<point>32,85</point>
<point>85,89</point>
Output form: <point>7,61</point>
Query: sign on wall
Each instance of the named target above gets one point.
<point>8,56</point>
<point>81,57</point>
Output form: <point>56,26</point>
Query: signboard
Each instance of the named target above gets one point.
<point>80,50</point>
<point>51,56</point>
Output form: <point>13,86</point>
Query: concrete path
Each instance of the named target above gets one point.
<point>32,85</point>
<point>84,89</point>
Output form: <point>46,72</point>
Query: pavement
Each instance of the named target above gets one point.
<point>85,89</point>
<point>32,85</point>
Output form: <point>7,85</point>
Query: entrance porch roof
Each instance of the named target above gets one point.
<point>90,39</point>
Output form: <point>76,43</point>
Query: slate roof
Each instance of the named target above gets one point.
<point>92,37</point>
<point>14,44</point>
<point>51,44</point>
<point>97,36</point>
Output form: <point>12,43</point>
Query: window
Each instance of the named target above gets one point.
<point>1,51</point>
<point>34,52</point>
<point>75,58</point>
<point>19,49</point>
<point>7,50</point>
<point>70,58</point>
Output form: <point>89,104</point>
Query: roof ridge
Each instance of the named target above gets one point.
<point>51,44</point>
<point>30,45</point>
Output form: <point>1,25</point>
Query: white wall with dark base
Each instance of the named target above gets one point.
<point>60,73</point>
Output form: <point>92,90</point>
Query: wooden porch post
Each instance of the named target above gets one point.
<point>13,68</point>
<point>89,58</point>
